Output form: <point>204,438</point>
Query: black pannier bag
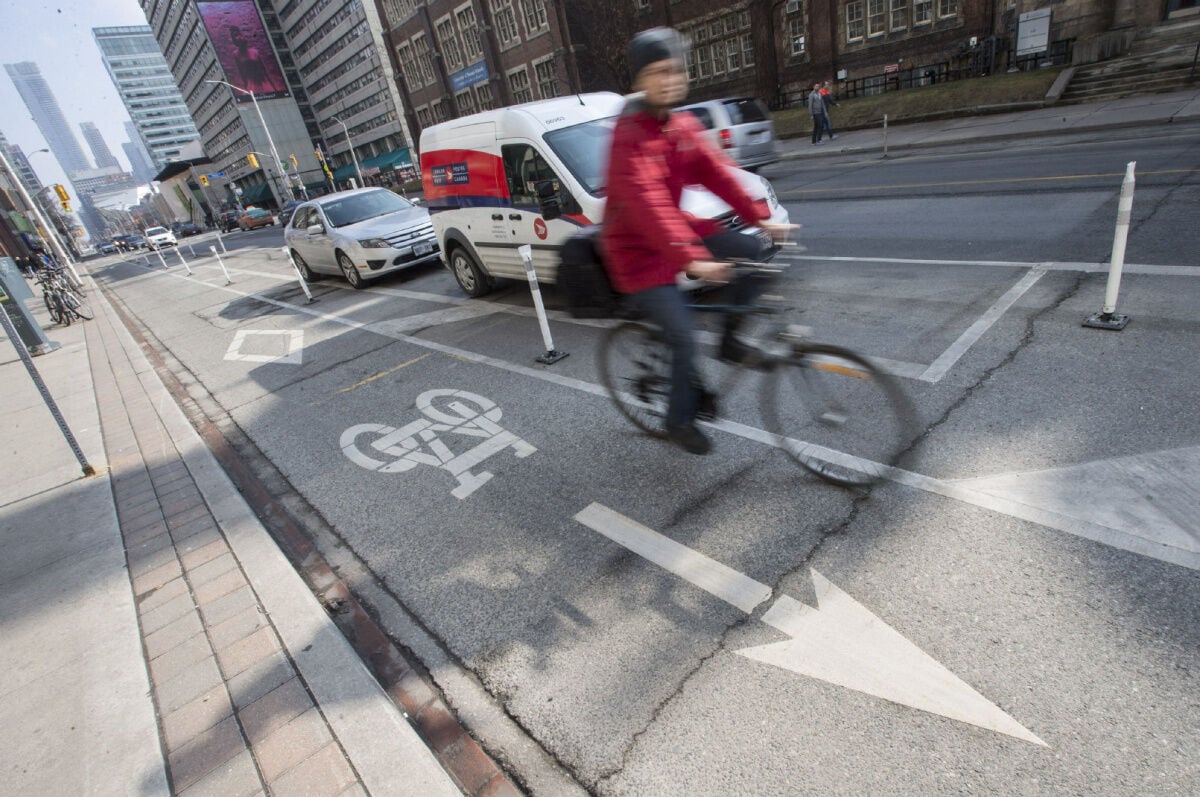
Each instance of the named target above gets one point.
<point>582,279</point>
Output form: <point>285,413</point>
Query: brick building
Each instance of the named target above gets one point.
<point>459,56</point>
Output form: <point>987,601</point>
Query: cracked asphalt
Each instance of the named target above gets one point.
<point>584,668</point>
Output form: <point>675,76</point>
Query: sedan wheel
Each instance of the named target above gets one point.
<point>351,273</point>
<point>308,274</point>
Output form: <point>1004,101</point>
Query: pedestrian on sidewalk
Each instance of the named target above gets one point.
<point>829,100</point>
<point>816,109</point>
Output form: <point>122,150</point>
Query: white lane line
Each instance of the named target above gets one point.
<point>708,574</point>
<point>1116,538</point>
<point>1049,265</point>
<point>958,348</point>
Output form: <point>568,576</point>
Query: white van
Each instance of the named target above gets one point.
<point>532,174</point>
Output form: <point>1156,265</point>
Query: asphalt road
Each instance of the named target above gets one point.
<point>1016,612</point>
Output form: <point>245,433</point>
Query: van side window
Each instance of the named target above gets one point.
<point>524,168</point>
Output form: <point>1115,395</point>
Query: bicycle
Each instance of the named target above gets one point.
<point>63,302</point>
<point>811,394</point>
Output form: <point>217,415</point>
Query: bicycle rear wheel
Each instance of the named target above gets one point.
<point>837,415</point>
<point>61,313</point>
<point>635,369</point>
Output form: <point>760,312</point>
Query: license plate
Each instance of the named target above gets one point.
<point>423,248</point>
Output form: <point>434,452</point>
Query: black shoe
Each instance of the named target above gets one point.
<point>706,405</point>
<point>690,439</point>
<point>734,351</point>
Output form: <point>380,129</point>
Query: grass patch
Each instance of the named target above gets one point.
<point>957,98</point>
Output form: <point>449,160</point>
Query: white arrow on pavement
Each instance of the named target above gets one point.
<point>841,641</point>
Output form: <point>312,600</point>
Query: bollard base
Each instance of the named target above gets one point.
<point>1114,321</point>
<point>44,348</point>
<point>552,356</point>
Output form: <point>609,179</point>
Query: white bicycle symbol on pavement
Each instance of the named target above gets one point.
<point>454,411</point>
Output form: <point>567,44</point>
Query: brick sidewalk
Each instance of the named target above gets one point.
<point>235,716</point>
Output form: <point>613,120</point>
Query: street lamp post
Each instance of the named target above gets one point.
<point>270,141</point>
<point>51,230</point>
<point>37,212</point>
<point>350,144</point>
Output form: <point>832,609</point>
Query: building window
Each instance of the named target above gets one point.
<point>423,58</point>
<point>899,14</point>
<point>718,57</point>
<point>449,42</point>
<point>796,34</point>
<point>922,12</point>
<point>518,84</point>
<point>703,62</point>
<point>483,93</point>
<point>441,110</point>
<point>876,17</point>
<point>424,117</point>
<point>506,22</point>
<point>947,8</point>
<point>547,78</point>
<point>409,66</point>
<point>748,49</point>
<point>535,15</point>
<point>854,21</point>
<point>469,31</point>
<point>641,5</point>
<point>466,102</point>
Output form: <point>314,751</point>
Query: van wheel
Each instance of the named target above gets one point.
<point>468,273</point>
<point>350,272</point>
<point>308,274</point>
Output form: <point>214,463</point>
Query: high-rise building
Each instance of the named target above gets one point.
<point>21,165</point>
<point>100,151</point>
<point>42,105</point>
<point>138,156</point>
<point>147,88</point>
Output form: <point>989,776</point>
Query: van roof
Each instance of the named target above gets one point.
<point>533,117</point>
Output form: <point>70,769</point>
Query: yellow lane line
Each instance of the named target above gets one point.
<point>381,374</point>
<point>990,181</point>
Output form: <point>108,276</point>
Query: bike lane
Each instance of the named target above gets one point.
<point>626,671</point>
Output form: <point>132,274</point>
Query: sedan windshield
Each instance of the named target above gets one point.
<point>352,209</point>
<point>584,148</point>
<point>155,231</point>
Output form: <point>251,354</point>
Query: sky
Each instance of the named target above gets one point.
<point>57,36</point>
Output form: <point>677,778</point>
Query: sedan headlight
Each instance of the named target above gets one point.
<point>772,200</point>
<point>374,243</point>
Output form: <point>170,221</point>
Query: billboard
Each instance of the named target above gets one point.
<point>243,49</point>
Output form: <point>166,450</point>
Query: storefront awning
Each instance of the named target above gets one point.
<point>255,193</point>
<point>389,160</point>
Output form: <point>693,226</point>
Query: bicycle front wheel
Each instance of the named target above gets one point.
<point>61,313</point>
<point>635,369</point>
<point>837,415</point>
<point>79,308</point>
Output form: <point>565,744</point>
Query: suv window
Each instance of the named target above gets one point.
<point>746,109</point>
<point>704,115</point>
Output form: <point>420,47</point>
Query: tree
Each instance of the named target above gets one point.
<point>600,30</point>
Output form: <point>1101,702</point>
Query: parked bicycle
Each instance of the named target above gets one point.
<point>65,296</point>
<point>830,409</point>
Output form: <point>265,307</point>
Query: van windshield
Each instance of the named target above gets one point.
<point>584,149</point>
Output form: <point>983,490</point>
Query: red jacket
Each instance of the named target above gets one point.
<point>647,239</point>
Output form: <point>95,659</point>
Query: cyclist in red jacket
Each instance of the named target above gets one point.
<point>648,241</point>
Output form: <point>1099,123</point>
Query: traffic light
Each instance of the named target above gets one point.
<point>252,159</point>
<point>295,161</point>
<point>204,180</point>
<point>320,155</point>
<point>63,198</point>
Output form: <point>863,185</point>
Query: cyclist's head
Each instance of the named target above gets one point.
<point>657,67</point>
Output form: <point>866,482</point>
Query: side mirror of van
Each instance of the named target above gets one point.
<point>548,204</point>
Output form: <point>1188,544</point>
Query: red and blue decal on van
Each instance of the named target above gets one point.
<point>463,178</point>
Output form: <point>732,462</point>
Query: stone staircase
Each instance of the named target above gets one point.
<point>1159,60</point>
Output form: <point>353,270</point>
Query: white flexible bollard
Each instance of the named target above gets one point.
<point>299,276</point>
<point>161,259</point>
<point>183,260</point>
<point>221,241</point>
<point>1108,317</point>
<point>552,355</point>
<point>228,280</point>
